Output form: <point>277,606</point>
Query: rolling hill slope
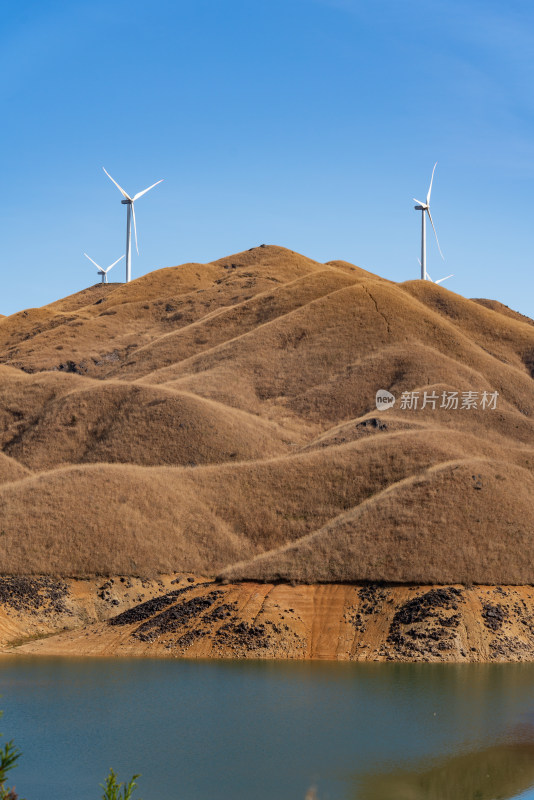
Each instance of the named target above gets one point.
<point>221,419</point>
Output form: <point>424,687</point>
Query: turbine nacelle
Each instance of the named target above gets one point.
<point>126,202</point>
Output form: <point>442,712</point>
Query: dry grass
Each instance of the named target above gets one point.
<point>65,419</point>
<point>11,470</point>
<point>437,525</point>
<point>222,421</point>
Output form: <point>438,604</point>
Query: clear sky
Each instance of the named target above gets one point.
<point>305,123</point>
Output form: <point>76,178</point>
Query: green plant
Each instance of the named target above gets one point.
<point>9,755</point>
<point>112,789</point>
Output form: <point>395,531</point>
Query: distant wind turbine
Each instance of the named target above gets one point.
<point>441,279</point>
<point>101,270</point>
<point>129,202</point>
<point>425,209</point>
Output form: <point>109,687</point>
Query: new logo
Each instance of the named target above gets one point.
<point>384,400</point>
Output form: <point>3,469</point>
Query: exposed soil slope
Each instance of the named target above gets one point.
<point>221,419</point>
<point>196,618</point>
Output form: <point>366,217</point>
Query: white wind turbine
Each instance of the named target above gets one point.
<point>101,271</point>
<point>424,208</point>
<point>129,202</point>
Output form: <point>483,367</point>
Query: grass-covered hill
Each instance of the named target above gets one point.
<point>220,419</point>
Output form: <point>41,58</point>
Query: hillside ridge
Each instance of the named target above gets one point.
<point>220,419</point>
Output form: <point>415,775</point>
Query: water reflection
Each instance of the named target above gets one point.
<point>502,771</point>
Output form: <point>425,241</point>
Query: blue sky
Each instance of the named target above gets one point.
<point>306,123</point>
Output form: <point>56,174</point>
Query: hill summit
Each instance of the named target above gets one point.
<point>222,419</point>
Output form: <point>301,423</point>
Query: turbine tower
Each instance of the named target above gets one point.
<point>424,208</point>
<point>130,212</point>
<point>101,271</point>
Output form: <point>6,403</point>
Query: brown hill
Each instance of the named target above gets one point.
<point>66,419</point>
<point>220,418</point>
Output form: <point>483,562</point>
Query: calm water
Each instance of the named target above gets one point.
<point>270,731</point>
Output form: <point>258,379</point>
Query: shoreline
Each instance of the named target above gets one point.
<point>187,616</point>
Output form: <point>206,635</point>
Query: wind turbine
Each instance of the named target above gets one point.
<point>424,208</point>
<point>129,202</point>
<point>101,270</point>
<point>440,280</point>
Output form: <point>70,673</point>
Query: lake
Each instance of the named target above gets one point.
<point>265,730</point>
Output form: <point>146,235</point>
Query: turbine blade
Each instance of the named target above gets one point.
<point>435,234</point>
<point>115,262</point>
<point>92,262</point>
<point>135,228</point>
<point>444,279</point>
<point>429,278</point>
<point>430,187</point>
<point>419,202</point>
<point>140,194</point>
<point>121,190</point>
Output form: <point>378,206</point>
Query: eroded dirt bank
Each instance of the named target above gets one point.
<point>187,616</point>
